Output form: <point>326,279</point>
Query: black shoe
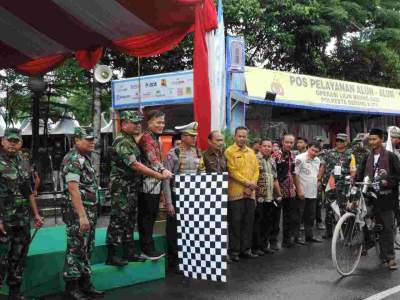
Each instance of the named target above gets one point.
<point>274,246</point>
<point>267,251</point>
<point>73,291</point>
<point>129,253</point>
<point>300,241</point>
<point>113,259</point>
<point>327,236</point>
<point>153,255</point>
<point>313,240</point>
<point>248,254</point>
<point>88,289</point>
<point>234,258</point>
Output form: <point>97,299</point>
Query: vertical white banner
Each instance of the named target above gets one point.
<point>217,73</point>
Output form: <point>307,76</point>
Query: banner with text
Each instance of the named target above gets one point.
<point>304,90</point>
<point>167,88</point>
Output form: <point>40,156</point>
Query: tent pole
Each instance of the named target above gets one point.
<point>96,128</point>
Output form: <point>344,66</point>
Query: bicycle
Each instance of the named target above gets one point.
<point>355,230</point>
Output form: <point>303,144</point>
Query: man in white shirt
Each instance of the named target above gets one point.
<point>306,181</point>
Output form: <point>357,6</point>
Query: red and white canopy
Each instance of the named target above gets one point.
<point>35,36</point>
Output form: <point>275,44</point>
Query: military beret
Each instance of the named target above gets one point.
<point>360,137</point>
<point>83,133</point>
<point>342,136</point>
<point>131,115</point>
<point>13,134</point>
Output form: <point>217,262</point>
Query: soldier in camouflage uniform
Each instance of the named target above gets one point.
<point>360,152</point>
<point>79,212</point>
<point>395,137</point>
<point>125,180</point>
<point>15,197</point>
<point>185,159</point>
<point>339,163</point>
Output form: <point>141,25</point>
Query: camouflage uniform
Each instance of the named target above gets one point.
<point>15,190</point>
<point>78,168</point>
<point>360,154</point>
<point>342,159</point>
<point>124,186</point>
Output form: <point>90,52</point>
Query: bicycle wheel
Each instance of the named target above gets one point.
<point>347,244</point>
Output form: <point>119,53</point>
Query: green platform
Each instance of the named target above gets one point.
<point>43,272</point>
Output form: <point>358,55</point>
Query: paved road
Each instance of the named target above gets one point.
<point>300,273</point>
<point>303,272</point>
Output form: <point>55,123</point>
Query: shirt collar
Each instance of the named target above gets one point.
<point>237,148</point>
<point>214,152</point>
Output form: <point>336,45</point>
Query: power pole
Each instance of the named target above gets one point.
<point>97,128</point>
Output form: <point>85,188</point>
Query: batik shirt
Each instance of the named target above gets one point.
<point>265,184</point>
<point>152,157</point>
<point>285,163</point>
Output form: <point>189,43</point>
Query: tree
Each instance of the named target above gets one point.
<point>295,35</point>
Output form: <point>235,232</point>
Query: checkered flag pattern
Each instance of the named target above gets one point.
<point>202,211</point>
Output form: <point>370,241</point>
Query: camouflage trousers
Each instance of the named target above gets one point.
<point>79,245</point>
<point>13,252</point>
<point>122,218</point>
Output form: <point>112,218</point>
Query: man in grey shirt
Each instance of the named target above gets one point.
<point>306,181</point>
<point>185,159</point>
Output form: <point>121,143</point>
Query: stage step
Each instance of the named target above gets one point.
<point>43,273</point>
<point>109,277</point>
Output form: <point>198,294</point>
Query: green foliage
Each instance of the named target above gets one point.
<point>228,138</point>
<point>294,35</point>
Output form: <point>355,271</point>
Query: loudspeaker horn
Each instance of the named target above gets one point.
<point>102,73</point>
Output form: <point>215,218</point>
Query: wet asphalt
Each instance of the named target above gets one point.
<point>298,273</point>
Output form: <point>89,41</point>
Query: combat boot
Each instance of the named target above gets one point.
<point>14,293</point>
<point>113,259</point>
<point>129,253</point>
<point>88,289</point>
<point>73,291</point>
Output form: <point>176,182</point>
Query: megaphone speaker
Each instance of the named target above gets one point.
<point>102,73</point>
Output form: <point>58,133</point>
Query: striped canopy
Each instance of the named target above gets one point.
<point>35,36</point>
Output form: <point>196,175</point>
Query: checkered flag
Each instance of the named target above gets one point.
<point>202,210</point>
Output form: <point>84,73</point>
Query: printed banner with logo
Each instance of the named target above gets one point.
<point>154,90</point>
<point>324,93</point>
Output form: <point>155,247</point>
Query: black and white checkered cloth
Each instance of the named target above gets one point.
<point>202,210</point>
